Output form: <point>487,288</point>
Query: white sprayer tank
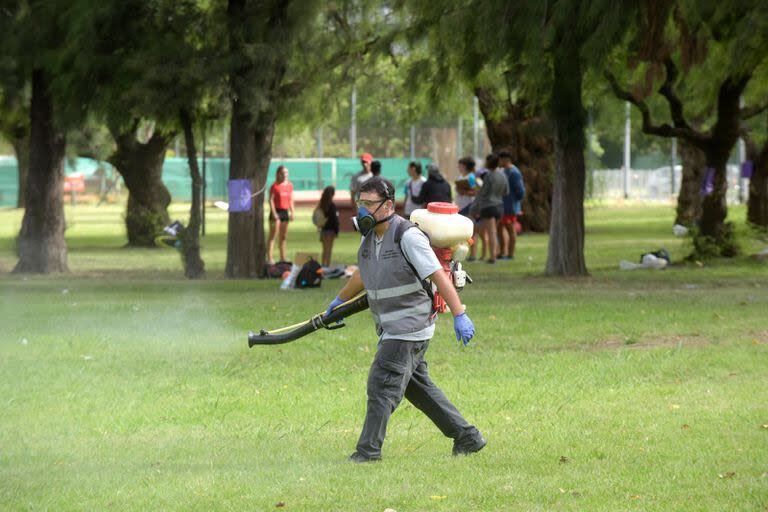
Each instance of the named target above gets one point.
<point>445,227</point>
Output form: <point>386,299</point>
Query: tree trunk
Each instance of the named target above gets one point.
<point>528,138</point>
<point>250,155</point>
<point>715,237</point>
<point>689,199</point>
<point>20,143</point>
<point>252,129</point>
<point>566,233</point>
<point>757,204</point>
<point>41,244</point>
<point>141,166</point>
<point>194,267</point>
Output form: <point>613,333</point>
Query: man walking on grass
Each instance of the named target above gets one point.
<point>395,260</point>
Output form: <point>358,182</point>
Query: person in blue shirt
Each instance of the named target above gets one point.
<point>512,206</point>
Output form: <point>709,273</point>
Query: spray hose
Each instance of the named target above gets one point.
<point>319,321</point>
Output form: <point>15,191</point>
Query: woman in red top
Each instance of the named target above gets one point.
<point>280,211</point>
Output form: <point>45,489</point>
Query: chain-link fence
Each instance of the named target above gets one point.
<point>651,184</point>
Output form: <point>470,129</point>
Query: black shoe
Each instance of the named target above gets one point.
<point>466,449</point>
<point>359,458</point>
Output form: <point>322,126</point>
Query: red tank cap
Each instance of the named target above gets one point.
<point>444,208</point>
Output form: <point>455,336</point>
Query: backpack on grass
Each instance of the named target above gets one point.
<point>310,275</point>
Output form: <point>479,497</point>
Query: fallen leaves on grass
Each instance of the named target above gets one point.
<point>635,497</point>
<point>435,497</point>
<point>765,426</point>
<point>674,406</point>
<point>280,504</point>
<point>729,474</point>
<point>685,426</point>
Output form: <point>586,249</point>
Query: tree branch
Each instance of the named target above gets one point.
<point>668,91</point>
<point>293,88</point>
<point>662,130</point>
<point>756,110</point>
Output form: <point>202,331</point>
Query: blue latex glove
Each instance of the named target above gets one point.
<point>464,328</point>
<point>334,304</point>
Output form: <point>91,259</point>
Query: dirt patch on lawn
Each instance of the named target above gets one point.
<point>758,338</point>
<point>658,342</point>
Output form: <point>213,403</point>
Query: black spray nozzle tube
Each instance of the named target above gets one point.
<point>320,321</point>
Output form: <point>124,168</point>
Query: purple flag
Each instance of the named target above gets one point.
<point>239,195</point>
<point>746,169</point>
<point>708,183</point>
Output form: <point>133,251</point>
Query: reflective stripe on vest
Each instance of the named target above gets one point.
<point>399,304</point>
<point>395,291</point>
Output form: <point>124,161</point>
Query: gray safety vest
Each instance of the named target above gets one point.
<point>398,299</point>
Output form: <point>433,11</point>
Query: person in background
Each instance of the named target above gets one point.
<point>326,218</point>
<point>466,189</point>
<point>280,212</point>
<point>435,189</point>
<point>512,206</point>
<point>489,203</point>
<point>361,177</point>
<point>375,168</point>
<point>413,187</point>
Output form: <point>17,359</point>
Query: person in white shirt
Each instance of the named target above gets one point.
<point>413,187</point>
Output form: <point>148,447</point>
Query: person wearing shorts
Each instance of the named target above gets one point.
<point>489,204</point>
<point>466,188</point>
<point>280,212</point>
<point>327,223</point>
<point>512,206</point>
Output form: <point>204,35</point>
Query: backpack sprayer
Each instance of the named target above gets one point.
<point>450,236</point>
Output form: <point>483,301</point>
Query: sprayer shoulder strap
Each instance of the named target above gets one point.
<point>400,230</point>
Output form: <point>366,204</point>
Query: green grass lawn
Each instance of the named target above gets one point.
<point>125,387</point>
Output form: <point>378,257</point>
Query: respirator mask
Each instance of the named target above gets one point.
<point>365,221</point>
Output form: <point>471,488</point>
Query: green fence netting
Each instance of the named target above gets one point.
<point>305,174</point>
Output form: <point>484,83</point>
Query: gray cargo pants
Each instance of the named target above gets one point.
<point>399,370</point>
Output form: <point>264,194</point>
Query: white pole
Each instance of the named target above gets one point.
<point>674,164</point>
<point>590,159</point>
<point>627,148</point>
<point>413,142</point>
<point>320,155</point>
<point>353,124</point>
<point>475,128</point>
<point>459,136</point>
<point>225,138</point>
<point>742,159</point>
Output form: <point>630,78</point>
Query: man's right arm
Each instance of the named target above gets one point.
<point>353,287</point>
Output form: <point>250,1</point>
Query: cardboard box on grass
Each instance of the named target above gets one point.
<point>302,257</point>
